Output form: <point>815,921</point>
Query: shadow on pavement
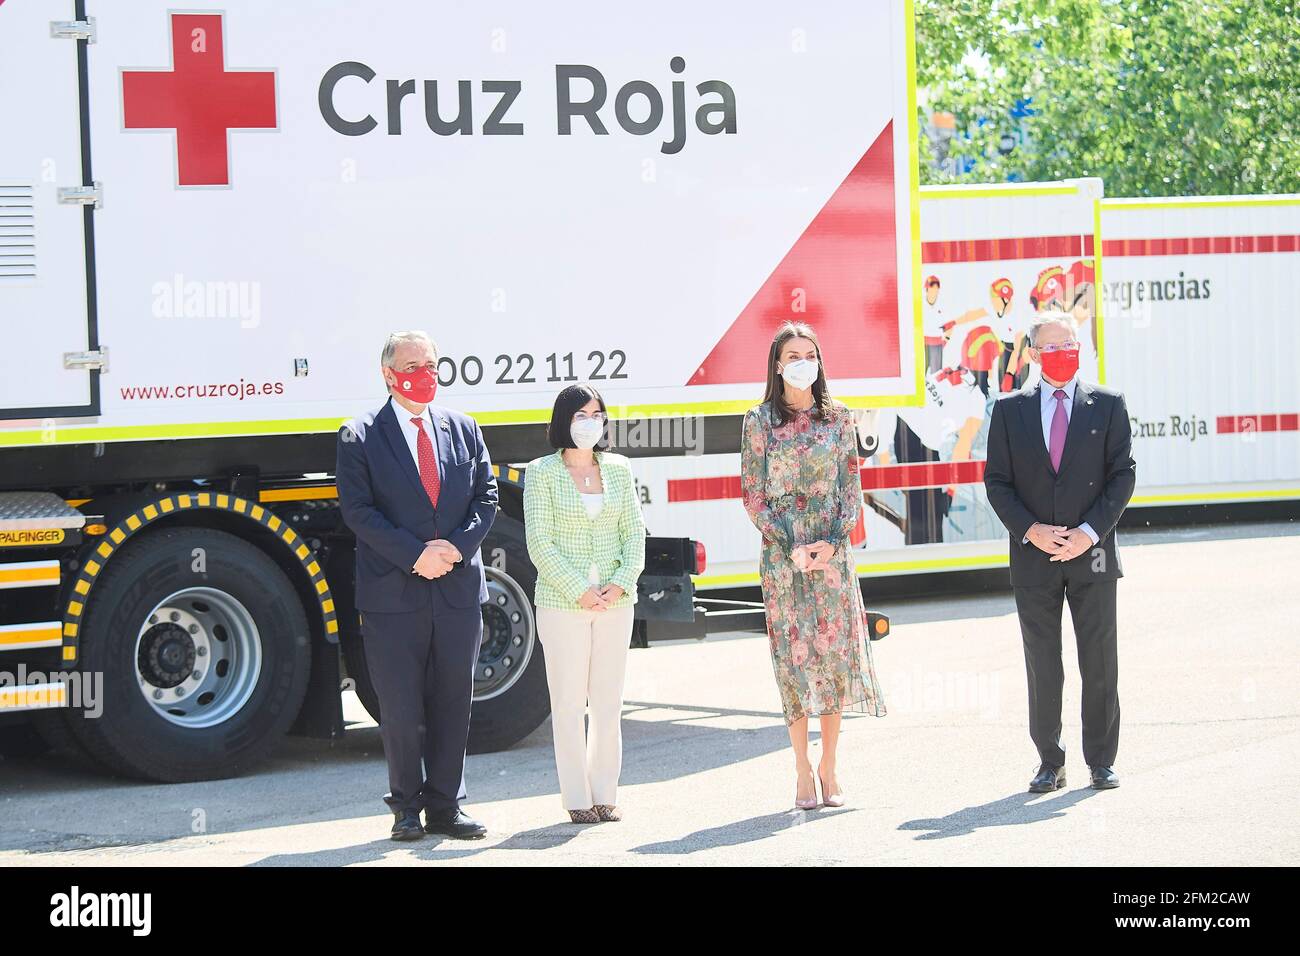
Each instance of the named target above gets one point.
<point>1017,809</point>
<point>741,831</point>
<point>541,838</point>
<point>345,779</point>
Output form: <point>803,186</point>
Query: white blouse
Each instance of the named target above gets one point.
<point>593,502</point>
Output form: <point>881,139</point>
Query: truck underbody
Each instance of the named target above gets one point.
<point>203,596</point>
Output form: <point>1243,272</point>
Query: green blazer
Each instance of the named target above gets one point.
<point>563,541</point>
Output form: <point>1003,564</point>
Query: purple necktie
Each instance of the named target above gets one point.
<point>1056,444</point>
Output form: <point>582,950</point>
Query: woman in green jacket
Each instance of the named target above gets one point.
<point>586,537</point>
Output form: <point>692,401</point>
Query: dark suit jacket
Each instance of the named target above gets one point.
<point>387,508</point>
<point>1094,485</point>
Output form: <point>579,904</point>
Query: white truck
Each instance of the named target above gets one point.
<point>210,219</point>
<point>1186,304</point>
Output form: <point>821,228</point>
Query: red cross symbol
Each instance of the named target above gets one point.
<point>200,99</point>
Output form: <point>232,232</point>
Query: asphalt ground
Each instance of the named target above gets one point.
<point>1209,621</point>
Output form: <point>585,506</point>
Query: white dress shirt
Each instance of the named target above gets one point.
<point>1047,411</point>
<point>411,433</point>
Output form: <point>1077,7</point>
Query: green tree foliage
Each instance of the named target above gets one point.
<point>1157,97</point>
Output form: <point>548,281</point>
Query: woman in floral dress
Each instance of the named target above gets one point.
<point>801,489</point>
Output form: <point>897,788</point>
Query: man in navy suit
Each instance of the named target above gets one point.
<point>1059,473</point>
<point>416,487</point>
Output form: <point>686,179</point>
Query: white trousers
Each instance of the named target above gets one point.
<point>586,660</point>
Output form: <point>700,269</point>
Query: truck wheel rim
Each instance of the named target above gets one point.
<point>509,635</point>
<point>198,657</point>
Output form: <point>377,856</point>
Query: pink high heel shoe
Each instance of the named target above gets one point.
<point>810,803</point>
<point>835,799</point>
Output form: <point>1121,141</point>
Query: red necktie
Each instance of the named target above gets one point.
<point>428,461</point>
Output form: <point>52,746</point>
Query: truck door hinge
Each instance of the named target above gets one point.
<point>83,195</point>
<point>92,361</point>
<point>73,29</point>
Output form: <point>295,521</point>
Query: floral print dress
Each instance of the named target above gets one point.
<point>800,484</point>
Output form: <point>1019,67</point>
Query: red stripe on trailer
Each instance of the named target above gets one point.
<point>937,474</point>
<point>1236,424</point>
<point>1049,247</point>
<point>1200,245</point>
<point>703,489</point>
<point>932,474</point>
<point>999,250</point>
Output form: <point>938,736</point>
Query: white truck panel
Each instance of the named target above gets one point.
<point>42,246</point>
<point>1201,301</point>
<point>216,293</point>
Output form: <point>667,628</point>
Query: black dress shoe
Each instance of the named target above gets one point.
<point>455,823</point>
<point>1048,779</point>
<point>1103,778</point>
<point>406,825</point>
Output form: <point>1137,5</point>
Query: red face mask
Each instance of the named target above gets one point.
<point>1060,365</point>
<point>418,386</point>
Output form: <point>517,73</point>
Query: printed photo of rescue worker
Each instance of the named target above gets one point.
<point>933,327</point>
<point>971,357</point>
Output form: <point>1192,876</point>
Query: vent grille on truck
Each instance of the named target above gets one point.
<point>17,232</point>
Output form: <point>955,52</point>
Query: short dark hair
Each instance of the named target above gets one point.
<point>570,399</point>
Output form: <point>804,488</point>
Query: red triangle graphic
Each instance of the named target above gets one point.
<point>846,264</point>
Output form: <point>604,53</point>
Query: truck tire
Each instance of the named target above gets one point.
<point>354,657</point>
<point>166,604</point>
<point>19,739</point>
<point>511,698</point>
<point>55,730</point>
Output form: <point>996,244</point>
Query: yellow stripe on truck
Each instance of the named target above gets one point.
<point>15,637</point>
<point>971,562</point>
<point>307,493</point>
<point>29,574</point>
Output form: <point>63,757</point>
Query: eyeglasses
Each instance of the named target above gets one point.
<point>1062,347</point>
<point>594,417</point>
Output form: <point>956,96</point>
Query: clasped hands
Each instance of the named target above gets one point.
<point>600,598</point>
<point>438,557</point>
<point>1062,543</point>
<point>812,557</point>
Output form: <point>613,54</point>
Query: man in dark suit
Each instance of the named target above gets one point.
<point>1059,475</point>
<point>416,487</point>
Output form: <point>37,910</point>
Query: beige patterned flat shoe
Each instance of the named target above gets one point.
<point>584,816</point>
<point>609,813</point>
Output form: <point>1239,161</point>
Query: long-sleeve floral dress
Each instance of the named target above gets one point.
<point>800,484</point>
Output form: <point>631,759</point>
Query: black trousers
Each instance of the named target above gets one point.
<point>422,666</point>
<point>1092,609</point>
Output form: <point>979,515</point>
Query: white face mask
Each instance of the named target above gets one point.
<point>586,432</point>
<point>800,374</point>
